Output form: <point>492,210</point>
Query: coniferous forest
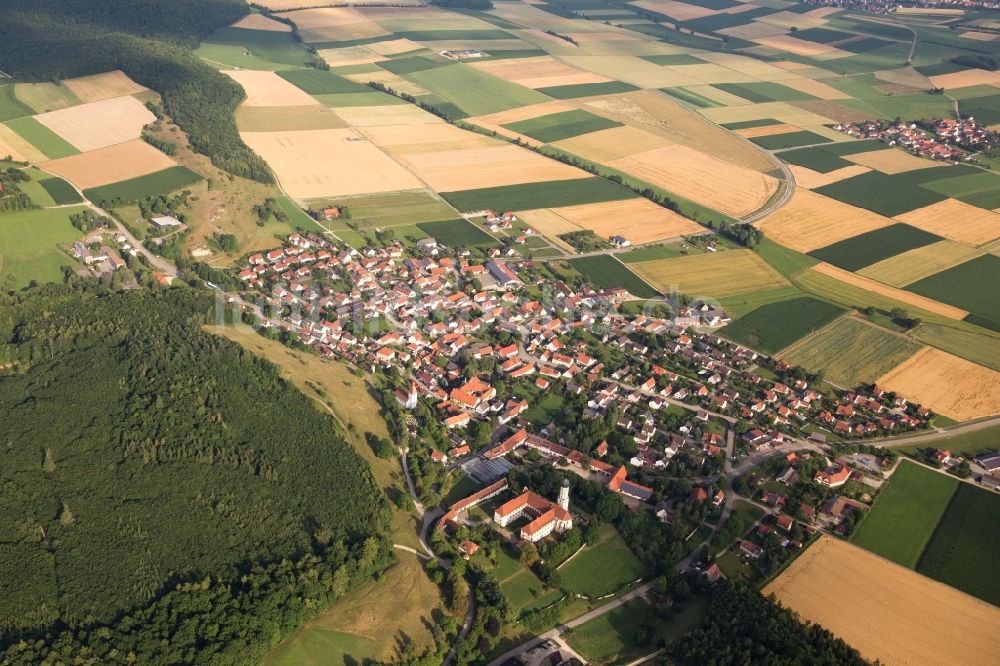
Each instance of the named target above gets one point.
<point>166,498</point>
<point>150,40</point>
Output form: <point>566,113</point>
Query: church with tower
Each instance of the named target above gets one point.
<point>546,516</point>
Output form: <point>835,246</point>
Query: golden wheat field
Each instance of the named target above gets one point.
<point>913,265</point>
<point>269,89</point>
<point>809,179</point>
<point>319,163</point>
<point>540,72</point>
<point>766,130</point>
<point>103,86</point>
<point>719,185</point>
<point>815,88</point>
<point>261,22</point>
<point>334,24</point>
<point>98,124</point>
<point>886,611</point>
<point>956,220</point>
<point>892,161</point>
<point>406,139</point>
<point>638,220</point>
<point>947,384</point>
<point>110,165</point>
<point>811,221</point>
<point>612,144</point>
<point>286,118</point>
<point>907,297</point>
<point>391,114</point>
<point>716,275</point>
<point>495,166</point>
<point>966,78</point>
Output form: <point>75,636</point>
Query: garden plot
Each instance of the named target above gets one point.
<point>99,124</point>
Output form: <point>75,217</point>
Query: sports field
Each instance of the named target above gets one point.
<point>29,243</point>
<point>908,509</point>
<point>884,610</point>
<point>602,568</point>
<point>772,327</point>
<point>851,352</point>
<point>711,275</point>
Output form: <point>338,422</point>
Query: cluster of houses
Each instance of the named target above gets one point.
<point>939,144</point>
<point>466,333</point>
<point>98,257</point>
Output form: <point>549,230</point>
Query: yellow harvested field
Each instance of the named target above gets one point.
<point>947,384</point>
<point>980,36</point>
<point>99,124</point>
<point>811,221</point>
<point>809,179</point>
<point>526,112</point>
<point>913,265</point>
<point>888,612</point>
<point>709,72</point>
<point>715,275</point>
<point>283,5</point>
<point>682,11</point>
<point>473,168</point>
<point>904,76</point>
<point>753,30</point>
<point>892,161</point>
<point>391,114</point>
<point>612,144</point>
<point>268,89</point>
<point>725,187</point>
<point>909,298</point>
<point>12,144</point>
<point>319,163</point>
<point>671,121</point>
<point>334,23</point>
<point>393,47</point>
<point>815,88</point>
<point>969,77</point>
<point>110,165</point>
<point>783,111</point>
<point>261,22</point>
<point>766,130</point>
<point>757,70</point>
<point>547,222</point>
<point>632,69</point>
<point>351,55</point>
<point>956,220</point>
<point>638,220</point>
<point>385,77</point>
<point>103,86</point>
<point>539,72</point>
<point>407,139</point>
<point>791,20</point>
<point>286,118</point>
<point>800,47</point>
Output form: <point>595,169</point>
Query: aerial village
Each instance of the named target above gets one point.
<point>513,369</point>
<point>943,139</point>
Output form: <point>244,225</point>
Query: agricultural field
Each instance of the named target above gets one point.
<point>606,272</point>
<point>602,568</point>
<point>712,275</point>
<point>29,246</point>
<point>159,182</point>
<point>962,551</point>
<point>638,220</point>
<point>908,509</point>
<point>562,125</point>
<point>456,233</point>
<point>870,598</point>
<point>41,138</point>
<point>972,286</point>
<point>44,97</point>
<point>956,220</point>
<point>528,196</point>
<point>773,327</point>
<point>113,164</point>
<point>98,124</point>
<point>852,352</point>
<point>872,247</point>
<point>811,221</point>
<point>922,262</point>
<point>103,86</point>
<point>881,193</point>
<point>10,106</point>
<point>947,384</point>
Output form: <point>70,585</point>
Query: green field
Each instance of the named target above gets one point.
<point>44,97</point>
<point>961,553</point>
<point>842,148</point>
<point>747,124</point>
<point>523,589</point>
<point>967,444</point>
<point>42,138</point>
<point>778,325</point>
<point>869,248</point>
<point>268,45</point>
<point>318,82</point>
<point>609,639</point>
<point>789,140</point>
<point>10,106</point>
<point>903,519</point>
<point>562,125</point>
<point>851,352</point>
<point>452,35</point>
<point>586,89</point>
<point>691,97</point>
<point>134,189</point>
<point>673,59</point>
<point>603,568</point>
<point>985,109</point>
<point>972,286</point>
<point>760,92</point>
<point>606,272</point>
<point>390,209</point>
<point>978,347</point>
<point>881,193</point>
<point>62,193</point>
<point>474,92</point>
<point>29,243</point>
<point>528,196</point>
<point>978,189</point>
<point>817,159</point>
<point>456,233</point>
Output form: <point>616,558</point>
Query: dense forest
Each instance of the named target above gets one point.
<point>150,40</point>
<point>742,627</point>
<point>165,497</point>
